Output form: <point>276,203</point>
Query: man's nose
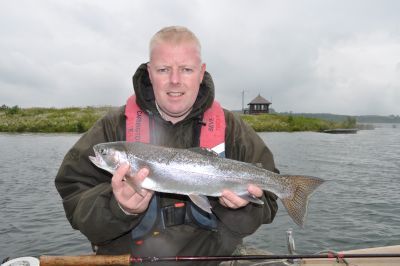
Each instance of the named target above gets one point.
<point>175,76</point>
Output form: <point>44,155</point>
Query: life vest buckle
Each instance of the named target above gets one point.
<point>174,214</point>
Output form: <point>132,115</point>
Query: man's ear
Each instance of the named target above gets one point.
<point>202,71</point>
<point>149,71</point>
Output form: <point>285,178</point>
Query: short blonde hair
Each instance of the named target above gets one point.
<point>174,35</point>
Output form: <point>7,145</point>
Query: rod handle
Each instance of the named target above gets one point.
<point>87,260</point>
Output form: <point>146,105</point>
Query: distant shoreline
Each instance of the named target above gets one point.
<point>80,119</point>
<point>50,120</point>
<point>293,123</point>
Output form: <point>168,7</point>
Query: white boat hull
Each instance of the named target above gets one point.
<point>360,261</point>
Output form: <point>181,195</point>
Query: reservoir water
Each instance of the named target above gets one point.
<point>358,207</point>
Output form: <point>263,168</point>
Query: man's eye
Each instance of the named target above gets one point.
<point>162,70</point>
<point>187,70</point>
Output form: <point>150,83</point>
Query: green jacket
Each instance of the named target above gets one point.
<point>91,207</point>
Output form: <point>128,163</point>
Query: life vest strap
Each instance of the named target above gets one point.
<point>137,122</point>
<point>149,221</point>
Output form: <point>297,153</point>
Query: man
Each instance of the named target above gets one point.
<point>176,94</point>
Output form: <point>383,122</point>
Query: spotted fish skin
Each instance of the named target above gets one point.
<point>184,171</point>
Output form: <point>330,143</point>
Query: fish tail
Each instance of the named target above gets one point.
<point>296,205</point>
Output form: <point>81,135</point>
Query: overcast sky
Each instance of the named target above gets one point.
<point>338,56</point>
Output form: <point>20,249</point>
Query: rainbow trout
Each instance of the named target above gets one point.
<point>200,174</point>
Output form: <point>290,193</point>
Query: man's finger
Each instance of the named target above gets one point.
<point>233,200</point>
<point>118,177</point>
<point>226,203</point>
<point>255,191</point>
<point>142,206</point>
<point>138,204</point>
<point>136,180</point>
<point>142,174</point>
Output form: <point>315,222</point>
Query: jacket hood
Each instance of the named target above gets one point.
<point>145,94</point>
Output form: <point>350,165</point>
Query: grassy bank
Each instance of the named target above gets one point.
<point>75,119</point>
<point>289,123</point>
<point>49,120</point>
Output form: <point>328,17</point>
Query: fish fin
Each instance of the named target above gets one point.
<point>251,198</point>
<point>204,151</point>
<point>259,165</point>
<point>296,205</point>
<point>201,201</point>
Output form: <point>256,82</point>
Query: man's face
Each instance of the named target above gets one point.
<point>175,72</point>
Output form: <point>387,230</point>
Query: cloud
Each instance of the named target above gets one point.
<point>308,56</point>
<point>359,74</point>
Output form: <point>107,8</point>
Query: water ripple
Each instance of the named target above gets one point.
<point>359,207</point>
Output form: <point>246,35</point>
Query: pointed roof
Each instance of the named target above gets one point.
<point>260,100</point>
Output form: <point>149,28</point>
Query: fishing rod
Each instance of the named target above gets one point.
<point>260,257</point>
<point>126,260</point>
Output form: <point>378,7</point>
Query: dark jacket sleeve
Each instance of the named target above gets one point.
<point>86,191</point>
<point>243,143</point>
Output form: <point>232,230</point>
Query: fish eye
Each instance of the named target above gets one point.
<point>103,151</point>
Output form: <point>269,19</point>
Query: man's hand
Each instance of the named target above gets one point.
<point>230,200</point>
<point>129,200</point>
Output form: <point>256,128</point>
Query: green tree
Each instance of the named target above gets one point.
<point>13,110</point>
